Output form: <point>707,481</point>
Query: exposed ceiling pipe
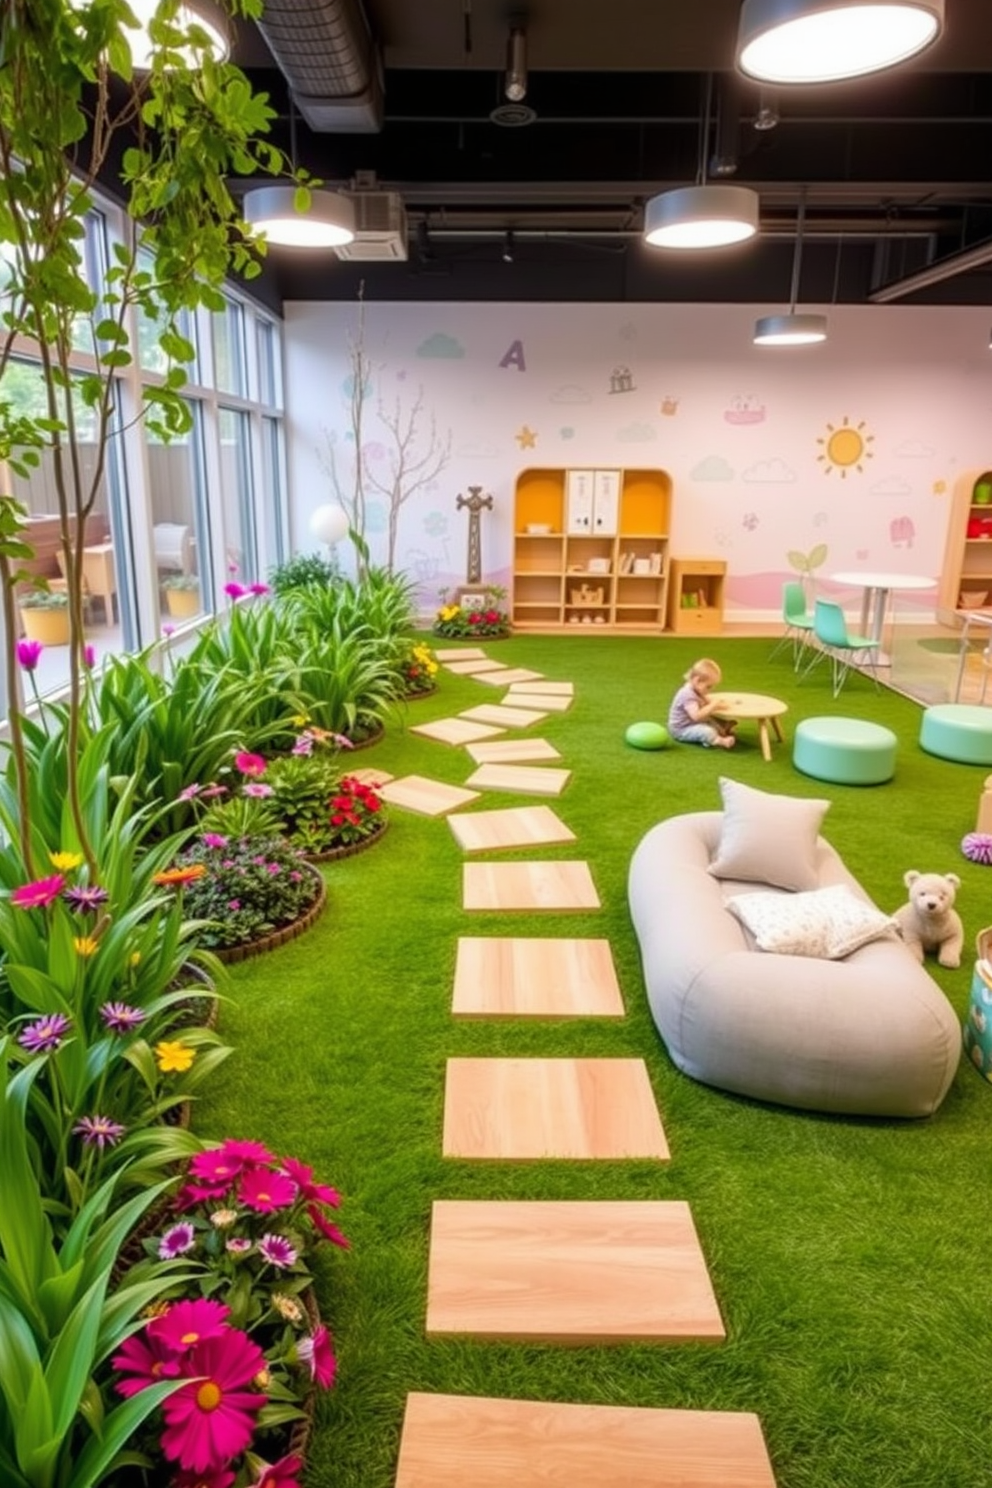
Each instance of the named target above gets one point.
<point>327,53</point>
<point>935,273</point>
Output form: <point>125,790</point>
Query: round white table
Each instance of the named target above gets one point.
<point>876,588</point>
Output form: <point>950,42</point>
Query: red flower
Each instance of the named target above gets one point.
<point>212,1419</point>
<point>475,618</point>
<point>266,1191</point>
<point>491,617</point>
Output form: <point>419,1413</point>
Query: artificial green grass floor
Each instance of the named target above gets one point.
<point>846,1254</point>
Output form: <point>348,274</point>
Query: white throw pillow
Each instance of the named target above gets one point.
<point>768,839</point>
<point>829,923</point>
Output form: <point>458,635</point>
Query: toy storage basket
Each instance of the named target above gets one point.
<point>978,1025</point>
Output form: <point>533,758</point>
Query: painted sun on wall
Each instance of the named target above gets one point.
<point>845,448</point>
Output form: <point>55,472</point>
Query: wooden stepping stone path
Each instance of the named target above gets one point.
<point>531,977</point>
<point>529,780</point>
<point>575,1273</point>
<point>551,703</point>
<point>517,826</point>
<point>456,730</point>
<point>512,751</point>
<point>520,1109</point>
<point>479,666</point>
<point>460,653</point>
<point>429,797</point>
<point>369,776</point>
<point>565,885</point>
<point>509,717</point>
<point>451,1441</point>
<point>553,689</point>
<point>510,676</point>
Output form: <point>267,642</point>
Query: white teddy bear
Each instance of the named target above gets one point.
<point>929,922</point>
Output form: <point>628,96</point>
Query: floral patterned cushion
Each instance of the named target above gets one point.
<point>828,923</point>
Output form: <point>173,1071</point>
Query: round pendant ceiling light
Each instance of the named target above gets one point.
<point>822,41</point>
<point>328,222</point>
<point>704,216</point>
<point>790,330</point>
<point>203,14</point>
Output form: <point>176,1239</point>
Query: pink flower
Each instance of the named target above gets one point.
<point>37,894</point>
<point>245,1152</point>
<point>234,590</point>
<point>214,839</point>
<point>257,788</point>
<point>177,1239</point>
<point>266,1191</point>
<point>187,1324</point>
<point>257,588</point>
<point>121,1018</point>
<point>234,905</point>
<point>210,791</point>
<point>168,630</point>
<point>89,656</point>
<point>277,1250</point>
<point>29,654</point>
<point>237,1245</point>
<point>282,1474</point>
<point>189,791</point>
<point>192,1194</point>
<point>98,1131</point>
<point>302,1176</point>
<point>249,764</point>
<point>212,1419</point>
<point>329,1231</point>
<point>317,1352</point>
<point>220,1478</point>
<point>303,745</point>
<point>148,1359</point>
<point>44,1034</point>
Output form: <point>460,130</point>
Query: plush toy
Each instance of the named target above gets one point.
<point>929,922</point>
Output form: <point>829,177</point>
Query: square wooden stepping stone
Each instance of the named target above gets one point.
<point>551,702</point>
<point>518,1109</point>
<point>479,666</point>
<point>512,751</point>
<point>508,717</point>
<point>509,676</point>
<point>532,977</point>
<point>456,730</point>
<point>569,1272</point>
<point>550,885</point>
<point>450,1441</point>
<point>552,689</point>
<point>529,780</point>
<point>516,826</point>
<point>459,653</point>
<point>369,776</point>
<point>430,797</point>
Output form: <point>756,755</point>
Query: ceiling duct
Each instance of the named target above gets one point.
<point>327,53</point>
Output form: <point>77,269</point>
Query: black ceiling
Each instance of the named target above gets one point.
<point>896,170</point>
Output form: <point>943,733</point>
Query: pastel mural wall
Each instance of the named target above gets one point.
<point>836,457</point>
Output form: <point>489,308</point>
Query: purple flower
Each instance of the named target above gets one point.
<point>342,741</point>
<point>177,1239</point>
<point>303,745</point>
<point>257,788</point>
<point>213,839</point>
<point>89,656</point>
<point>257,588</point>
<point>234,590</point>
<point>29,654</point>
<point>168,630</point>
<point>121,1018</point>
<point>44,1034</point>
<point>237,1245</point>
<point>84,897</point>
<point>277,1250</point>
<point>98,1131</point>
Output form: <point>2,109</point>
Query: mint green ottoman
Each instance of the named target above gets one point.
<point>847,751</point>
<point>958,731</point>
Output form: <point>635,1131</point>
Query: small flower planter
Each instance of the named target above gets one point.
<point>183,604</point>
<point>48,625</point>
<point>284,934</point>
<point>332,854</point>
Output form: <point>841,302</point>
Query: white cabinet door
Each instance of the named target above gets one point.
<point>578,501</point>
<point>605,501</point>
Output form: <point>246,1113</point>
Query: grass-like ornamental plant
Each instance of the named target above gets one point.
<point>303,571</point>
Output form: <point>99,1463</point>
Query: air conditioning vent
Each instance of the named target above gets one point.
<point>380,223</point>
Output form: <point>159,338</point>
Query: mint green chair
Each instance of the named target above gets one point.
<point>798,622</point>
<point>836,641</point>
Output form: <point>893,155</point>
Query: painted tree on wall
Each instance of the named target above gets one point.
<point>352,497</point>
<point>416,453</point>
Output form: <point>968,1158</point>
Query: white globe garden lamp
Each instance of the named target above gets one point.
<point>329,524</point>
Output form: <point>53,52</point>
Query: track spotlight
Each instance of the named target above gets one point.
<point>508,246</point>
<point>515,85</point>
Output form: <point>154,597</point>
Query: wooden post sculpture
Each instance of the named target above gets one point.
<point>475,503</point>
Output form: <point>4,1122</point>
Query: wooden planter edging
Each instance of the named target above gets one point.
<point>284,934</point>
<point>334,853</point>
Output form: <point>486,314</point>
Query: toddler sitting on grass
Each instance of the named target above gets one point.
<point>693,707</point>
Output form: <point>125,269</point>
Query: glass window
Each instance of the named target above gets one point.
<point>272,497</point>
<point>180,534</point>
<point>237,496</point>
<point>269,364</point>
<point>229,350</point>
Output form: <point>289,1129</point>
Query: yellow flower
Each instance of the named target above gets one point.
<point>223,1219</point>
<point>85,945</point>
<point>300,720</point>
<point>64,861</point>
<point>174,1056</point>
<point>287,1307</point>
<point>134,958</point>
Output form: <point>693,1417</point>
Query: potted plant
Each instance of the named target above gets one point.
<point>45,617</point>
<point>460,621</point>
<point>182,595</point>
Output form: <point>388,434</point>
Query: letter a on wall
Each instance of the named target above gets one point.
<point>515,357</point>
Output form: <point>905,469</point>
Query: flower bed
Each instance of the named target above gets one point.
<point>252,893</point>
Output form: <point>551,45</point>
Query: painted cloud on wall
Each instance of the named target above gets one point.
<point>440,345</point>
<point>892,485</point>
<point>712,468</point>
<point>570,392</point>
<point>637,433</point>
<point>770,472</point>
<point>477,449</point>
<point>914,449</point>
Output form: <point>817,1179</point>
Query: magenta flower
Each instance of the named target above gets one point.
<point>277,1250</point>
<point>317,1352</point>
<point>234,590</point>
<point>213,839</point>
<point>29,654</point>
<point>234,905</point>
<point>329,1231</point>
<point>212,1419</point>
<point>266,1191</point>
<point>189,1323</point>
<point>246,1151</point>
<point>192,1194</point>
<point>121,1018</point>
<point>85,897</point>
<point>45,1034</point>
<point>272,868</point>
<point>148,1359</point>
<point>177,1240</point>
<point>249,764</point>
<point>281,1474</point>
<point>221,1477</point>
<point>258,789</point>
<point>257,588</point>
<point>215,1166</point>
<point>39,893</point>
<point>302,1176</point>
<point>98,1131</point>
<point>89,656</point>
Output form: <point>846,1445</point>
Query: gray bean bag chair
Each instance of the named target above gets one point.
<point>867,1034</point>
